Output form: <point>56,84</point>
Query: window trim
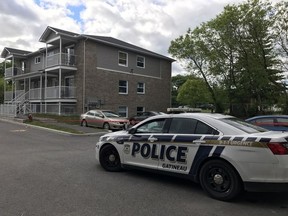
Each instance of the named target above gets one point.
<point>123,93</point>
<point>37,59</point>
<point>138,56</point>
<point>124,65</point>
<point>144,88</point>
<point>126,111</point>
<point>139,112</point>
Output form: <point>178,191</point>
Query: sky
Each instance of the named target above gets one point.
<point>150,24</point>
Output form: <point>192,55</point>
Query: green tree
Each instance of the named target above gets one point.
<point>193,92</point>
<point>177,82</point>
<point>234,52</point>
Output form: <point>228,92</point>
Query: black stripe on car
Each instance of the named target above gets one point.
<point>202,153</point>
<point>180,138</point>
<point>218,151</point>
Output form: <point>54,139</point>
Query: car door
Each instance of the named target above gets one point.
<point>90,117</point>
<point>99,119</point>
<point>188,146</point>
<point>142,149</point>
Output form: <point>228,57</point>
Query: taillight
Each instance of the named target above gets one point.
<point>278,148</point>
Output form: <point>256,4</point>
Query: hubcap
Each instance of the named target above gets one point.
<point>218,179</point>
<point>112,158</point>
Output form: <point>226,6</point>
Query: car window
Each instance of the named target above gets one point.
<point>90,113</point>
<point>110,114</point>
<point>154,126</point>
<point>98,114</point>
<point>182,126</point>
<point>264,121</point>
<point>282,122</point>
<point>242,125</point>
<point>205,129</point>
<point>190,126</point>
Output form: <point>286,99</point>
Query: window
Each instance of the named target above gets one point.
<point>122,58</point>
<point>91,113</point>
<point>140,61</point>
<point>122,111</point>
<point>190,126</point>
<point>183,126</point>
<point>123,87</point>
<point>140,88</point>
<point>154,126</point>
<point>140,110</point>
<point>37,60</point>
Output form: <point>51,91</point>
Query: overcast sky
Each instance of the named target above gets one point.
<point>151,24</point>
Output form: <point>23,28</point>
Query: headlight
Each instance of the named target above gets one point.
<point>106,138</point>
<point>103,138</point>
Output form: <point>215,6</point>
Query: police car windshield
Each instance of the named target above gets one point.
<point>244,126</point>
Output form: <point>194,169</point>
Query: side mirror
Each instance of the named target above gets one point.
<point>132,130</point>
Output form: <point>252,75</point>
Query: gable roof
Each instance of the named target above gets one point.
<point>101,39</point>
<point>50,30</point>
<point>11,51</point>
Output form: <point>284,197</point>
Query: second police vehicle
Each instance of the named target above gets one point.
<point>222,153</point>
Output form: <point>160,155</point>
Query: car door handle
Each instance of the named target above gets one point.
<point>152,139</point>
<point>199,141</point>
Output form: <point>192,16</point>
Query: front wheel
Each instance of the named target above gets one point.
<point>84,123</point>
<point>220,180</point>
<point>106,126</point>
<point>109,159</point>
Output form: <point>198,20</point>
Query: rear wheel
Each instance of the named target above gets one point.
<point>109,159</point>
<point>84,123</point>
<point>220,180</point>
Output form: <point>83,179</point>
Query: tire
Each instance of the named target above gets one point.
<point>84,123</point>
<point>106,126</point>
<point>109,159</point>
<point>220,180</point>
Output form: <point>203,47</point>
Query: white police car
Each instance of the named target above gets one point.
<point>224,154</point>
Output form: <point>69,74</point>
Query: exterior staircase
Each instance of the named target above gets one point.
<point>17,107</point>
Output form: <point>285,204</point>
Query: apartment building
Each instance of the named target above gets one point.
<point>74,73</point>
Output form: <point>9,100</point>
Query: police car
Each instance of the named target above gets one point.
<point>222,153</point>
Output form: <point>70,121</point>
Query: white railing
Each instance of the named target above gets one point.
<point>66,92</point>
<point>8,95</point>
<point>35,93</point>
<point>8,109</point>
<point>9,72</point>
<point>66,59</point>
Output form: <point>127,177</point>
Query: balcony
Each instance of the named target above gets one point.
<point>67,92</point>
<point>9,72</point>
<point>66,60</point>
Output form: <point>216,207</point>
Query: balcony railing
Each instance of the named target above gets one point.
<point>66,92</point>
<point>9,72</point>
<point>37,93</point>
<point>66,59</point>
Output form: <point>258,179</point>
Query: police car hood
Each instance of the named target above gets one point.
<point>117,133</point>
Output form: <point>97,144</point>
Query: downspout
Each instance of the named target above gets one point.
<point>4,80</point>
<point>60,77</point>
<point>84,77</point>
